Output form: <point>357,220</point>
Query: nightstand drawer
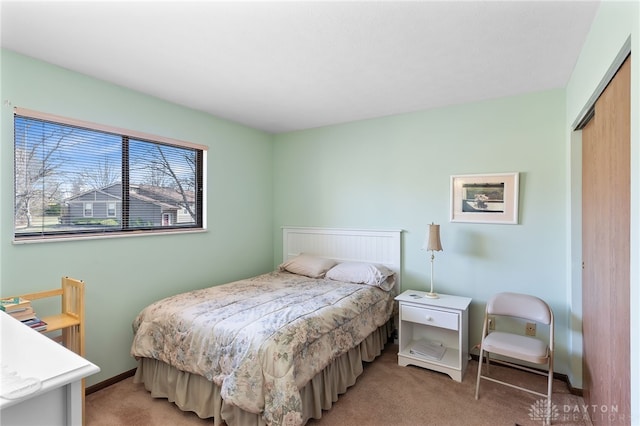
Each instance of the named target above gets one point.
<point>429,317</point>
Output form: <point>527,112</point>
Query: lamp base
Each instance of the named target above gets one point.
<point>432,295</point>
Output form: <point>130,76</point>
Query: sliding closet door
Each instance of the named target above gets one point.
<point>605,244</point>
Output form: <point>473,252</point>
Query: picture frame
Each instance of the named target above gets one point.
<point>485,198</point>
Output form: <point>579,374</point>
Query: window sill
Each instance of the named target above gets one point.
<point>129,234</point>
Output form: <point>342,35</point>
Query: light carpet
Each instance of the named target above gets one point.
<point>384,395</point>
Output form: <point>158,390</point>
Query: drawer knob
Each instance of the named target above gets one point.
<point>428,318</point>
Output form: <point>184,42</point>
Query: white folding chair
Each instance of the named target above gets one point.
<point>517,346</point>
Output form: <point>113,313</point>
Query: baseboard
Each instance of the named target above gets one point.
<point>109,382</point>
<point>558,376</point>
<point>572,390</point>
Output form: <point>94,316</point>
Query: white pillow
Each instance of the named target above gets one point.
<point>363,273</point>
<point>308,265</point>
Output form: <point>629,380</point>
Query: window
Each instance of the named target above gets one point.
<point>88,209</point>
<point>81,179</point>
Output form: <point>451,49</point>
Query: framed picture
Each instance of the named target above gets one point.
<point>488,198</point>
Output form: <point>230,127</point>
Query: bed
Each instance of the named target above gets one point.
<point>278,348</point>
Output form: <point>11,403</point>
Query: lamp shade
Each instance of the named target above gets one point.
<point>432,240</point>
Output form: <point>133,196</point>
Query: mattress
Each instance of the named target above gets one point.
<point>261,341</point>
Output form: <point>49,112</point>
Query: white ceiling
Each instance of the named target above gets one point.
<point>282,66</point>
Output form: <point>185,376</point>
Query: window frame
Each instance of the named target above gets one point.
<point>200,224</point>
<point>87,206</point>
<point>109,209</point>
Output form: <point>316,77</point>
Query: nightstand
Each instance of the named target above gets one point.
<point>429,327</point>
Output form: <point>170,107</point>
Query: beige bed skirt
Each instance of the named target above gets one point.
<point>194,393</point>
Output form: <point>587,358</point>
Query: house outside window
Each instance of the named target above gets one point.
<point>88,210</point>
<point>78,179</point>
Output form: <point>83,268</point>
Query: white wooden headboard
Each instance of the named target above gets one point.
<point>361,245</point>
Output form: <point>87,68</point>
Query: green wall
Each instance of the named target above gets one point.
<point>125,274</point>
<point>394,172</point>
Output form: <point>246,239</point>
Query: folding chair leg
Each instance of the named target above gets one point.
<point>549,390</point>
<point>479,373</point>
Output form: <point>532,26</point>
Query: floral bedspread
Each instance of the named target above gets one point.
<point>263,338</point>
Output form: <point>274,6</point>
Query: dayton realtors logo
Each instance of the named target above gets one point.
<point>542,410</point>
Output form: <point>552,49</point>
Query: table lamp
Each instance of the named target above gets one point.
<point>432,243</point>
